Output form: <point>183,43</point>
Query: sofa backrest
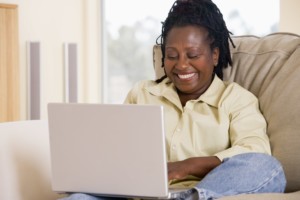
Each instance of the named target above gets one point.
<point>269,67</point>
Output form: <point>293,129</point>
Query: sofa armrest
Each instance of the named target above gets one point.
<point>25,161</point>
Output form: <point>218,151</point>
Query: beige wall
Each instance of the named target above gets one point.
<point>289,16</point>
<point>53,23</point>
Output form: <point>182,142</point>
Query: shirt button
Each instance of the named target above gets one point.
<point>178,130</point>
<point>173,147</point>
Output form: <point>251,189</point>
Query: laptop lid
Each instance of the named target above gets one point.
<point>108,150</point>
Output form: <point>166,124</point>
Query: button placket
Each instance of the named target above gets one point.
<point>175,140</point>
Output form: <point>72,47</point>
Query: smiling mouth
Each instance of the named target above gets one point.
<point>186,76</point>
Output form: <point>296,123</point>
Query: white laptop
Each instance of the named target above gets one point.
<point>108,150</point>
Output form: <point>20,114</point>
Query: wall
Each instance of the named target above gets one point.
<point>53,23</point>
<point>289,15</point>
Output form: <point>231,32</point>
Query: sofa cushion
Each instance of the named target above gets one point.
<point>269,196</point>
<point>270,68</point>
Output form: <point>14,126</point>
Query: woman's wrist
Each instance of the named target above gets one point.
<point>200,166</point>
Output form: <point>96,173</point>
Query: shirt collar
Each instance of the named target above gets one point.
<point>167,90</point>
<point>214,93</point>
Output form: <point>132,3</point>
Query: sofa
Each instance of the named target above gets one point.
<point>268,66</point>
<point>25,161</point>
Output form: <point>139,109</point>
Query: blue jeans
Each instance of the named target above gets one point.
<point>241,174</point>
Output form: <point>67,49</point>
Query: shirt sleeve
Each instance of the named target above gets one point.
<point>247,130</point>
<point>132,95</point>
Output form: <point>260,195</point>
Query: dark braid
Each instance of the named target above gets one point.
<point>202,13</point>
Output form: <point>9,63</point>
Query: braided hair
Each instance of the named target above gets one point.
<point>202,13</point>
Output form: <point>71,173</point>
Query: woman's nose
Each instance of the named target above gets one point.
<point>182,63</point>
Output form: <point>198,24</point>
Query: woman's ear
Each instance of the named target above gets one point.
<point>216,53</point>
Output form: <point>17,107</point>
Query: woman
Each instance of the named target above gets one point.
<point>216,135</point>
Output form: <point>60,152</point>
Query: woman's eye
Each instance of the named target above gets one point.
<point>193,56</point>
<point>171,56</point>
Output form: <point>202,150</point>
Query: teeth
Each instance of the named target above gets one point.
<point>185,76</point>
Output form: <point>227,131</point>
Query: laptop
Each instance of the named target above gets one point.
<point>109,150</point>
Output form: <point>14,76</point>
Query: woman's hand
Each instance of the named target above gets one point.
<point>178,170</point>
<point>197,166</point>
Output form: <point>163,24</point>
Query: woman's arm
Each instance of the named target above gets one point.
<point>196,166</point>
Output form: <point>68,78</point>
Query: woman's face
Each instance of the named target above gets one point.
<point>189,61</point>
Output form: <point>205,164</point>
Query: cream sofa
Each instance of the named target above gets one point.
<point>25,161</point>
<point>270,68</point>
<point>267,66</point>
